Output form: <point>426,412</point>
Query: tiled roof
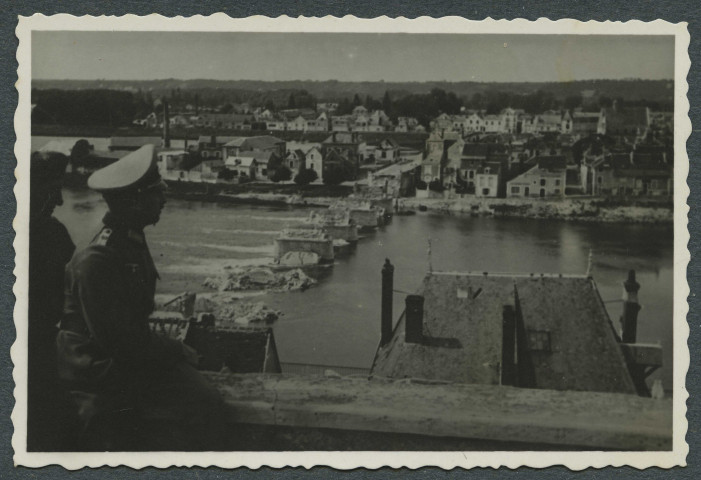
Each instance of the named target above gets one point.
<point>254,143</point>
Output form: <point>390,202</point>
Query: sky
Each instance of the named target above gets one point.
<point>390,57</point>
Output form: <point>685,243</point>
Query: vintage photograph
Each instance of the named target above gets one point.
<point>447,237</point>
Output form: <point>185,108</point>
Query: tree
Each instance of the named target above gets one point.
<point>573,101</point>
<point>291,101</point>
<point>387,103</point>
<point>436,185</point>
<point>338,173</point>
<point>80,150</point>
<point>306,176</point>
<point>282,174</point>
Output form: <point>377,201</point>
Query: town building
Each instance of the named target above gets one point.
<point>645,171</point>
<point>210,146</point>
<point>242,167</point>
<point>387,151</point>
<point>629,122</point>
<point>260,143</point>
<point>434,162</point>
<point>487,180</point>
<point>545,178</point>
<point>349,146</point>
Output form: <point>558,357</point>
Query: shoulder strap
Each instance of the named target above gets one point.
<point>103,237</point>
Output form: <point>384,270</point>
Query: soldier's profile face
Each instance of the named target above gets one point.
<point>151,204</point>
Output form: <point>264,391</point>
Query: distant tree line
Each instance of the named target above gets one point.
<point>107,107</point>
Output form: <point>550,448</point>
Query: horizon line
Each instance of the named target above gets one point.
<point>628,79</point>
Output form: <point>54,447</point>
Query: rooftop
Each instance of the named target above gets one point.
<point>564,339</point>
<point>259,142</point>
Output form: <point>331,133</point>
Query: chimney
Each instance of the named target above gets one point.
<point>631,307</point>
<point>387,287</point>
<point>414,319</point>
<point>166,125</point>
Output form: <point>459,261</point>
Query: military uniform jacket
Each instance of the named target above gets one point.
<point>105,340</point>
<point>50,249</point>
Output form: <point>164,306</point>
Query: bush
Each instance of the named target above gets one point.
<point>436,186</point>
<point>336,174</point>
<point>306,176</point>
<point>282,174</point>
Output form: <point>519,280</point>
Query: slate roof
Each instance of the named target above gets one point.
<point>584,353</point>
<point>219,140</point>
<point>259,142</point>
<point>581,352</point>
<point>552,162</point>
<point>474,321</point>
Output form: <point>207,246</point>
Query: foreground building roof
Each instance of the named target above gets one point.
<point>560,338</point>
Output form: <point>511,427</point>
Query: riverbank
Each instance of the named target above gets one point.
<point>581,209</point>
<point>599,210</point>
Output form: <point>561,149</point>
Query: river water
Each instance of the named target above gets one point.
<point>337,322</point>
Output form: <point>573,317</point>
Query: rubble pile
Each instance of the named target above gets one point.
<point>244,313</point>
<point>304,233</point>
<point>260,278</point>
<point>295,259</point>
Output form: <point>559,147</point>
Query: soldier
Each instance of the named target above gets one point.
<point>50,248</point>
<point>135,390</point>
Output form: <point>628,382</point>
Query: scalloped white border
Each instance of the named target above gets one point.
<point>349,460</point>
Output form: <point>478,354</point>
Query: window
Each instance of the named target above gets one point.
<point>538,340</point>
<point>557,182</point>
<point>556,191</point>
<point>485,191</point>
<point>515,189</point>
<point>542,182</point>
<point>486,170</point>
<point>471,174</point>
<point>205,154</point>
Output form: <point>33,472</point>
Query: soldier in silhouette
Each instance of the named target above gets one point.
<point>50,248</point>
